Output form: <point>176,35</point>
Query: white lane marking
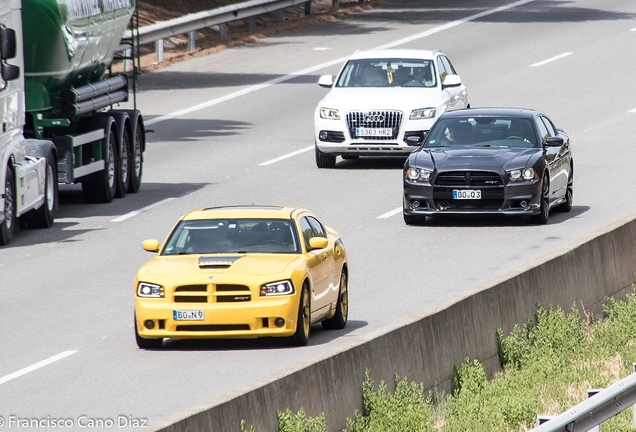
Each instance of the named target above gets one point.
<point>634,29</point>
<point>36,366</point>
<point>391,213</point>
<point>551,59</point>
<point>288,155</point>
<point>320,49</point>
<point>142,210</point>
<point>633,111</point>
<point>341,60</point>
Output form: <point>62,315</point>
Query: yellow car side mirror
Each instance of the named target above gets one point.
<point>318,243</point>
<point>150,245</point>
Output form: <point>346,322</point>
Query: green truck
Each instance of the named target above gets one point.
<point>58,99</point>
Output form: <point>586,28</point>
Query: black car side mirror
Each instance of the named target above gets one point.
<point>554,141</point>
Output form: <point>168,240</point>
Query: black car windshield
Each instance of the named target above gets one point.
<point>388,73</point>
<point>482,132</point>
<point>211,236</point>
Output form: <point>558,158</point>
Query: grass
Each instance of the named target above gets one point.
<point>548,364</point>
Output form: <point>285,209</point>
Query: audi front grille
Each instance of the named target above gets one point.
<point>375,120</point>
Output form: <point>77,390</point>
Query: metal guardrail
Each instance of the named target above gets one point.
<point>593,411</point>
<point>216,17</point>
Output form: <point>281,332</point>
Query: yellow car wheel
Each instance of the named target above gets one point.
<point>301,337</point>
<point>339,320</point>
<point>146,343</point>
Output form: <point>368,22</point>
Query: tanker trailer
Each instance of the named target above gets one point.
<point>57,107</point>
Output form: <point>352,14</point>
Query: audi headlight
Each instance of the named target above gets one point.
<point>145,289</point>
<point>423,113</point>
<point>329,114</point>
<point>522,174</point>
<point>284,287</point>
<point>418,174</point>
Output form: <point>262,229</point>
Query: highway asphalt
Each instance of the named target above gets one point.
<point>237,127</point>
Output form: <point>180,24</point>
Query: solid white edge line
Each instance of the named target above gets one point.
<point>330,63</point>
<point>142,210</point>
<point>288,155</point>
<point>391,213</point>
<point>36,366</point>
<point>551,59</point>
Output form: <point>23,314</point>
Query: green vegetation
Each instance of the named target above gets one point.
<point>547,366</point>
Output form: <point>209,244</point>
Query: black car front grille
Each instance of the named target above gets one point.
<point>468,178</point>
<point>375,120</point>
<point>489,183</point>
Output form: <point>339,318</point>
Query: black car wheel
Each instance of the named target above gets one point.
<point>147,343</point>
<point>339,320</point>
<point>324,160</point>
<point>413,220</point>
<point>567,205</point>
<point>544,210</point>
<point>301,337</point>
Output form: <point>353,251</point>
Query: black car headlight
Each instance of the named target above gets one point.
<point>522,174</point>
<point>145,289</point>
<point>284,287</point>
<point>421,175</point>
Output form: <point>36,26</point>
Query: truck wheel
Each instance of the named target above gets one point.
<point>7,228</point>
<point>124,167</point>
<point>43,217</point>
<point>136,159</point>
<point>101,186</point>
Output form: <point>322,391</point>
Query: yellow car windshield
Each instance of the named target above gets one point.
<point>213,236</point>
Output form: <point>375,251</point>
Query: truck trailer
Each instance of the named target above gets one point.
<point>57,99</point>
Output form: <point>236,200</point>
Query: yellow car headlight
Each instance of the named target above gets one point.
<point>284,287</point>
<point>145,289</point>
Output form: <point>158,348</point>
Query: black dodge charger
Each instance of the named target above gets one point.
<point>505,161</point>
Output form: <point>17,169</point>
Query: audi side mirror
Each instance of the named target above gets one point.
<point>326,81</point>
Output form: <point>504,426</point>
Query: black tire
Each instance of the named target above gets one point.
<point>544,209</point>
<point>569,195</point>
<point>101,186</point>
<point>303,323</point>
<point>339,320</point>
<point>144,343</point>
<point>413,220</point>
<point>123,170</point>
<point>7,228</point>
<point>324,160</point>
<point>43,217</point>
<point>136,157</point>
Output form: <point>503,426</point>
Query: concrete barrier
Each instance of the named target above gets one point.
<point>425,347</point>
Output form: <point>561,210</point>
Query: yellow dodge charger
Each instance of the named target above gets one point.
<point>242,272</point>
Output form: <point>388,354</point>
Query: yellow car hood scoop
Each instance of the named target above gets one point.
<point>217,261</point>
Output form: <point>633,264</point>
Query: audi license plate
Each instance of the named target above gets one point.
<point>466,194</point>
<point>371,132</point>
<point>188,315</point>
